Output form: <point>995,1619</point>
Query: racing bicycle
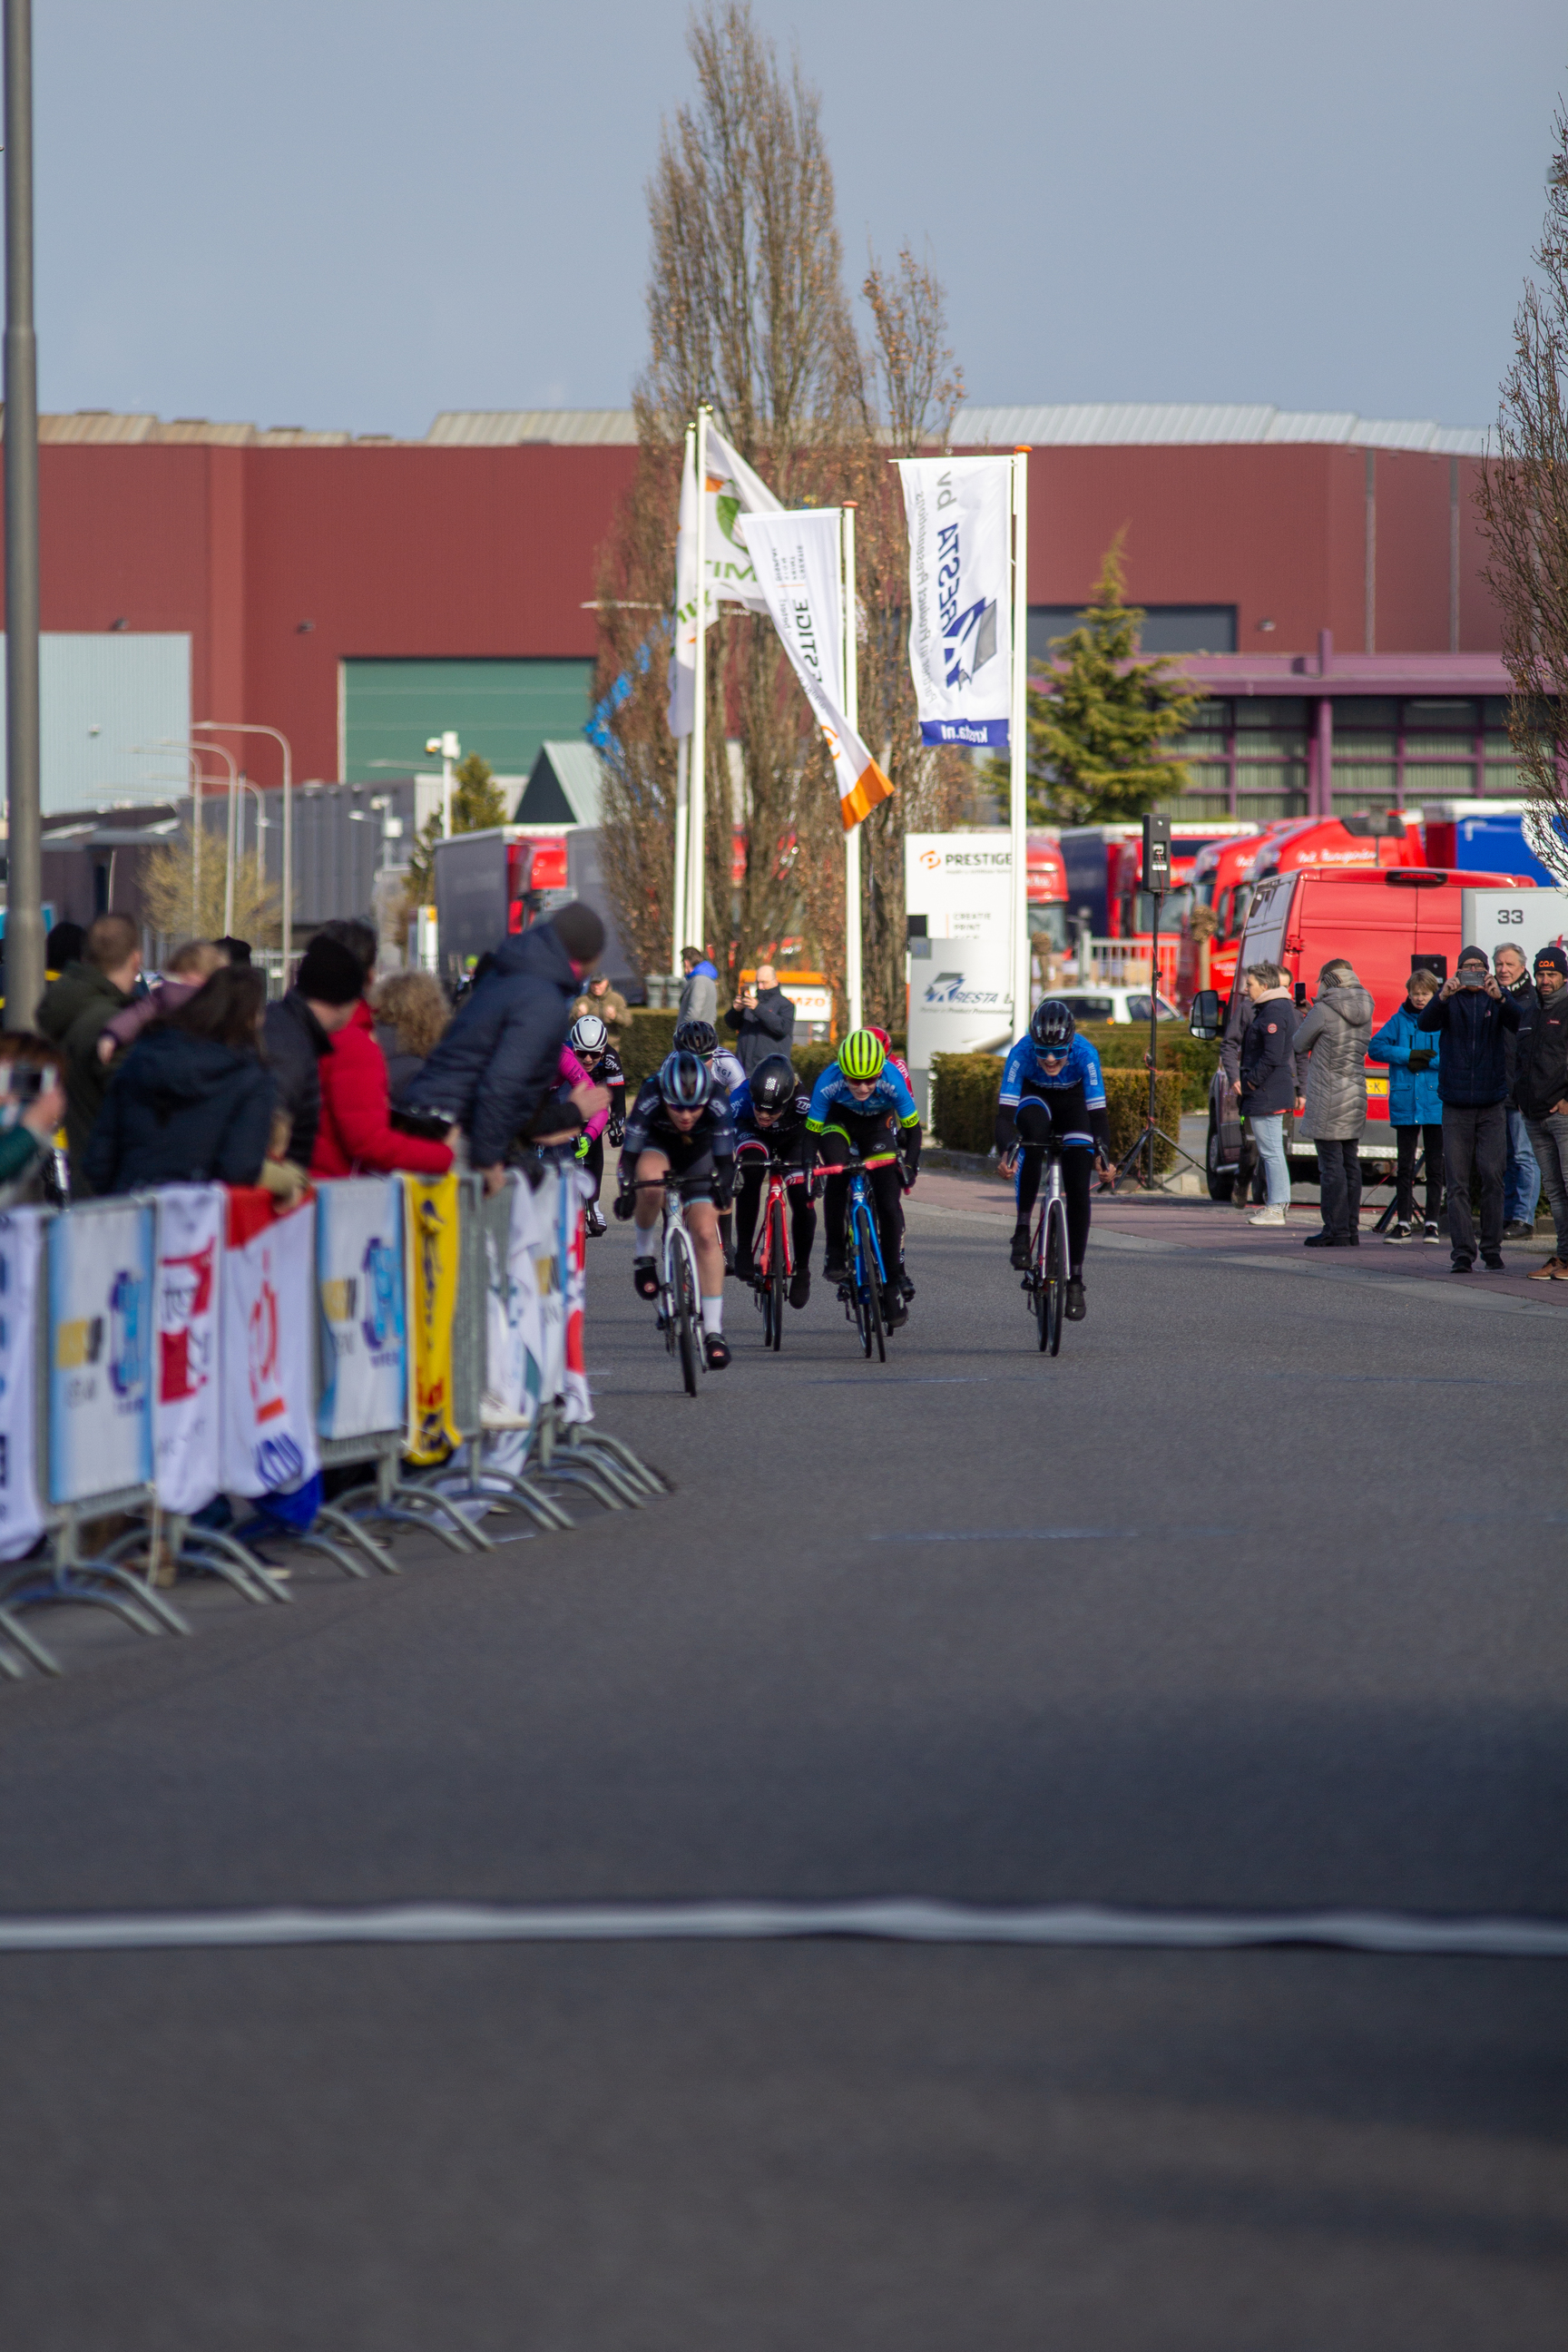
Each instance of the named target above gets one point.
<point>774,1257</point>
<point>1046,1283</point>
<point>679,1312</point>
<point>862,1293</point>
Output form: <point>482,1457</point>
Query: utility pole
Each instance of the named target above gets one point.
<point>25,890</point>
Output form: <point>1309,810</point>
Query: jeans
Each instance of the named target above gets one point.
<point>1268,1132</point>
<point>1549,1137</point>
<point>1408,1142</point>
<point>1521,1183</point>
<point>1339,1181</point>
<point>1475,1135</point>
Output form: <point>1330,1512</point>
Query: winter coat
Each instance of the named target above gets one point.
<point>763,1028</point>
<point>182,1110</point>
<point>402,1068</point>
<point>699,995</point>
<point>73,1012</point>
<point>1541,1061</point>
<point>1525,997</point>
<point>166,997</point>
<point>295,1042</point>
<point>1267,1068</point>
<point>611,1008</point>
<point>1413,1098</point>
<point>356,1137</point>
<point>495,1063</point>
<point>1472,1066</point>
<point>1331,1062</point>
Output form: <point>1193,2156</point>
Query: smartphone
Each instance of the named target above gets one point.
<point>1471,978</point>
<point>25,1082</point>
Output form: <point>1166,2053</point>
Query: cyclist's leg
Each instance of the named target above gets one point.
<point>834,1147</point>
<point>702,1223</point>
<point>888,1201</point>
<point>802,1237</point>
<point>1033,1121</point>
<point>593,1163</point>
<point>1078,1180</point>
<point>748,1193</point>
<point>651,1169</point>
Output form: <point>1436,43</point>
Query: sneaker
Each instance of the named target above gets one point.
<point>1516,1230</point>
<point>1400,1233</point>
<point>1325,1240</point>
<point>895,1314</point>
<point>1021,1249</point>
<point>1492,1261</point>
<point>645,1280</point>
<point>800,1287</point>
<point>717,1349</point>
<point>1431,1234</point>
<point>1076,1308</point>
<point>1462,1265</point>
<point>836,1269</point>
<point>1266,1217</point>
<point>1554,1270</point>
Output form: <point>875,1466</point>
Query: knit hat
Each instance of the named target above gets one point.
<point>1475,955</point>
<point>1552,958</point>
<point>579,930</point>
<point>329,973</point>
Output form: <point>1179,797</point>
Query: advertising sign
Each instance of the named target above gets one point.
<point>732,490</point>
<point>798,560</point>
<point>359,1282</point>
<point>187,1428</point>
<point>431,1261</point>
<point>961,1001</point>
<point>21,1250</point>
<point>961,595</point>
<point>514,1350</point>
<point>959,886</point>
<point>269,1331</point>
<point>101,1351</point>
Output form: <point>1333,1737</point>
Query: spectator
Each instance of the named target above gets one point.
<point>77,1007</point>
<point>1251,1178</point>
<point>237,950</point>
<point>699,996</point>
<point>1472,1013</point>
<point>411,1015</point>
<point>188,967</point>
<point>1331,1068</point>
<point>1521,1176</point>
<point>30,1111</point>
<point>1414,1107</point>
<point>764,1019</point>
<point>299,1030</point>
<point>1540,1090</point>
<point>63,946</point>
<point>607,1003</point>
<point>192,1102</point>
<point>355,1135</point>
<point>499,1060</point>
<point>1267,1081</point>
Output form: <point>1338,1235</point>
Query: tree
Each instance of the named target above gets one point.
<point>1097,721</point>
<point>178,905</point>
<point>478,803</point>
<point>1523,500</point>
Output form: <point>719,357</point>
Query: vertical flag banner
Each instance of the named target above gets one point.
<point>961,595</point>
<point>431,1260</point>
<point>571,1256</point>
<point>359,1282</point>
<point>100,1352</point>
<point>186,1429</point>
<point>514,1377</point>
<point>269,1331</point>
<point>21,1511</point>
<point>732,490</point>
<point>796,564</point>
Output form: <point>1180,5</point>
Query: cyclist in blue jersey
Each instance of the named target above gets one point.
<point>1052,1086</point>
<point>860,1105</point>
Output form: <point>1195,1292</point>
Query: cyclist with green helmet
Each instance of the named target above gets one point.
<point>860,1105</point>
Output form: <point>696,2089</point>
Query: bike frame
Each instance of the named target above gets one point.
<point>679,1318</point>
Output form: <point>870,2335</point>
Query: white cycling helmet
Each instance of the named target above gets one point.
<point>589,1036</point>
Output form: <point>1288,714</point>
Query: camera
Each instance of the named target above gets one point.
<point>23,1081</point>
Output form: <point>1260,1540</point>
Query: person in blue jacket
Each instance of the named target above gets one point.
<point>1052,1085</point>
<point>1415,1106</point>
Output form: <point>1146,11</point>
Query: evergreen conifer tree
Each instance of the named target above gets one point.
<point>478,803</point>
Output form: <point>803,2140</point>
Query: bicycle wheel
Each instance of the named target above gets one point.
<point>869,1294</point>
<point>778,1272</point>
<point>1039,1289</point>
<point>1056,1281</point>
<point>687,1314</point>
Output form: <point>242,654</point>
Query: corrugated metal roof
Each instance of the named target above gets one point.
<point>497,427</point>
<point>580,773</point>
<point>1148,424</point>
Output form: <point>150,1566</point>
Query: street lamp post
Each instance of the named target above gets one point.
<point>451,752</point>
<point>24,844</point>
<point>250,727</point>
<point>193,753</point>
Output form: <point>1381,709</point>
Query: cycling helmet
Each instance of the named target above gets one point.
<point>883,1036</point>
<point>685,1082</point>
<point>1053,1027</point>
<point>862,1056</point>
<point>696,1037</point>
<point>774,1084</point>
<point>588,1035</point>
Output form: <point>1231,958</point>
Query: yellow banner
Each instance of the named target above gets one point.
<point>430,1230</point>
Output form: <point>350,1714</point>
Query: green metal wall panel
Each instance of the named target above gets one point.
<point>502,710</point>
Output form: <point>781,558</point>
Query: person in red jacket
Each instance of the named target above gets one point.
<point>356,1137</point>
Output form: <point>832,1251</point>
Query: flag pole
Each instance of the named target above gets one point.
<point>682,760</point>
<point>853,974</point>
<point>1018,746</point>
<point>697,771</point>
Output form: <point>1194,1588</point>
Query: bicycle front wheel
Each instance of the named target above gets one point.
<point>686,1316</point>
<point>869,1294</point>
<point>1056,1282</point>
<point>778,1270</point>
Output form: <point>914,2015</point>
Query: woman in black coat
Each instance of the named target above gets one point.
<point>192,1102</point>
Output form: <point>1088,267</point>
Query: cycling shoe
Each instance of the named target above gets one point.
<point>1021,1249</point>
<point>717,1351</point>
<point>1076,1308</point>
<point>645,1279</point>
<point>799,1288</point>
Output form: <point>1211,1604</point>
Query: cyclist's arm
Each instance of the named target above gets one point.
<point>1094,1099</point>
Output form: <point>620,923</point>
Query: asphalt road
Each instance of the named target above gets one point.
<point>1255,1599</point>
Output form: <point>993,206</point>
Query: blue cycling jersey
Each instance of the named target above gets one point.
<point>889,1098</point>
<point>1025,1068</point>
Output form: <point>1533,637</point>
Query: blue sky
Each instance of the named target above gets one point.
<point>355,213</point>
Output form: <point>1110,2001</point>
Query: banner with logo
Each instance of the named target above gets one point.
<point>572,1251</point>
<point>268,1334</point>
<point>100,1384</point>
<point>359,1285</point>
<point>186,1427</point>
<point>430,1262</point>
<point>732,490</point>
<point>21,1510</point>
<point>550,1273</point>
<point>961,595</point>
<point>797,562</point>
<point>515,1243</point>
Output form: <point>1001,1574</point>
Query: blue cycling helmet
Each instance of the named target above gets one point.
<point>1052,1026</point>
<point>685,1082</point>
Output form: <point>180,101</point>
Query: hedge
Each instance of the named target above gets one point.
<point>1123,1045</point>
<point>965,1088</point>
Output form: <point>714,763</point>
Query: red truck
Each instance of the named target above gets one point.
<point>1226,875</point>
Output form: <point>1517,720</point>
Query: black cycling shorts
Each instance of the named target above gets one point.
<point>691,1158</point>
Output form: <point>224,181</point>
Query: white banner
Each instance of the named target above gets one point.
<point>21,1511</point>
<point>798,567</point>
<point>359,1280</point>
<point>732,489</point>
<point>269,1330</point>
<point>961,595</point>
<point>186,1421</point>
<point>577,1403</point>
<point>550,1273</point>
<point>101,1318</point>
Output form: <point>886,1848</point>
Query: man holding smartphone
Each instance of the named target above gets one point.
<point>1472,1017</point>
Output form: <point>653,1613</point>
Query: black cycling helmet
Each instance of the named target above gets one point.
<point>1052,1026</point>
<point>696,1037</point>
<point>774,1084</point>
<point>685,1082</point>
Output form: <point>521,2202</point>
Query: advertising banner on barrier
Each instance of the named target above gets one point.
<point>550,1271</point>
<point>268,1329</point>
<point>577,1403</point>
<point>514,1375</point>
<point>431,1260</point>
<point>21,1252</point>
<point>186,1429</point>
<point>961,595</point>
<point>359,1273</point>
<point>101,1317</point>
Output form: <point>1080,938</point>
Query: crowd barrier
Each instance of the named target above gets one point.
<point>161,1349</point>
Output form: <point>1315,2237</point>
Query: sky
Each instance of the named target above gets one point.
<point>354,214</point>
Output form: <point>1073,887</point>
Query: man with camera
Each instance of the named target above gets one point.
<point>1473,1016</point>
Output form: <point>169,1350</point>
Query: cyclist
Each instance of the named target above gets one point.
<point>590,1040</point>
<point>770,1113</point>
<point>680,1121</point>
<point>1052,1086</point>
<point>860,1105</point>
<point>701,1037</point>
